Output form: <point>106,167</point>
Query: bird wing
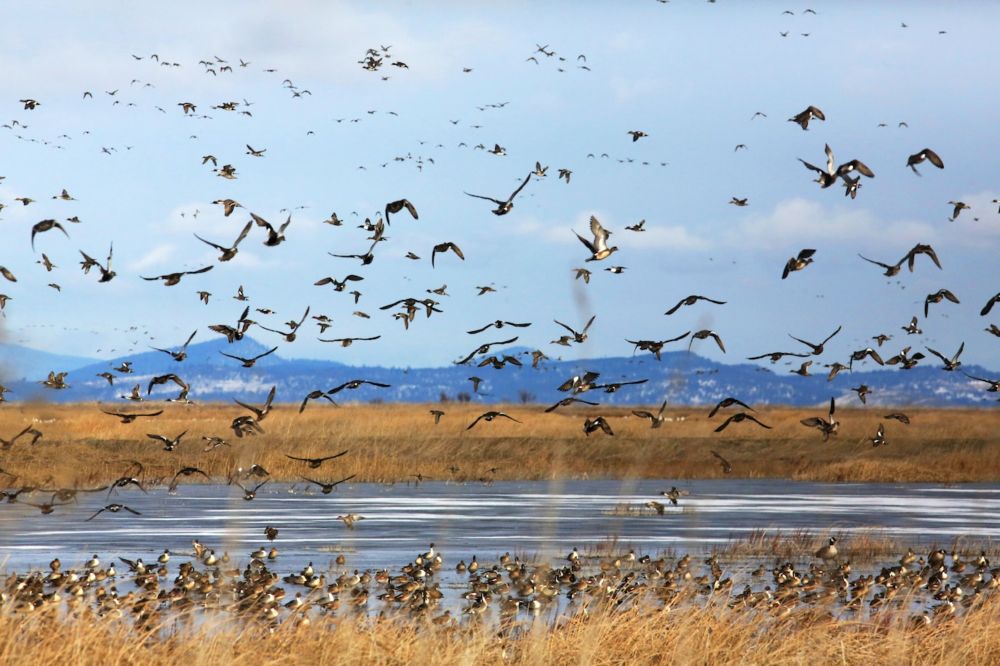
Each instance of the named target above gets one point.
<point>989,305</point>
<point>515,192</point>
<point>589,245</point>
<point>208,242</point>
<point>933,158</point>
<point>479,196</point>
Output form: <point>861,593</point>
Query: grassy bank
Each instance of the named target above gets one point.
<point>394,443</point>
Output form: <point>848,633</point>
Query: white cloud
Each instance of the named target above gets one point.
<point>155,257</point>
<point>809,222</point>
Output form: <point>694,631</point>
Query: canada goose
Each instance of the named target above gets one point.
<point>937,297</point>
<point>637,227</point>
<point>739,417</point>
<point>829,551</point>
<point>798,263</point>
<point>926,154</point>
<point>949,363</point>
<point>489,416</point>
<point>599,246</point>
<point>636,135</point>
<point>827,426</point>
<point>802,118</point>
<point>504,207</point>
<point>315,463</point>
<point>437,413</point>
<point>565,174</point>
<point>691,300</point>
<point>862,392</point>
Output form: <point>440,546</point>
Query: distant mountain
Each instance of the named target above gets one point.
<point>680,377</point>
<point>17,362</point>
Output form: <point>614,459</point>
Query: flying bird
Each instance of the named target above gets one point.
<point>802,118</point>
<point>504,207</point>
<point>926,154</point>
<point>489,416</point>
<point>42,227</point>
<point>170,279</point>
<point>599,246</point>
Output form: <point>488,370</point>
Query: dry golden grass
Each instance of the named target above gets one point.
<point>392,443</point>
<point>679,634</point>
<point>863,546</point>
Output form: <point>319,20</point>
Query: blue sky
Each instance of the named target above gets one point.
<point>690,74</point>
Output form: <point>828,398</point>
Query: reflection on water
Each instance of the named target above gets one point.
<point>462,520</point>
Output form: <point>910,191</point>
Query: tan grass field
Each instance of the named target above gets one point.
<point>393,443</point>
<point>677,634</point>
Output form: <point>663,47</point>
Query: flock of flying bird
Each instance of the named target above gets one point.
<point>598,249</point>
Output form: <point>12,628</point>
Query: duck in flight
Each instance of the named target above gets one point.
<point>926,154</point>
<point>691,300</point>
<point>181,353</point>
<point>249,362</point>
<point>315,463</point>
<point>503,207</point>
<point>599,249</point>
<point>170,279</point>
<point>802,118</point>
<point>228,253</point>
